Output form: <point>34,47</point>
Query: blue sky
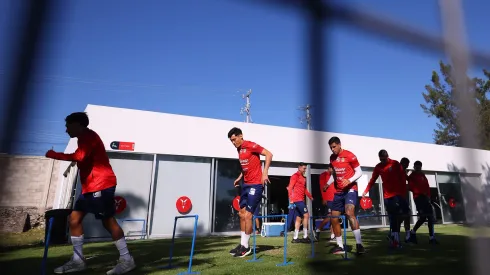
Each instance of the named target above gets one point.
<point>191,57</point>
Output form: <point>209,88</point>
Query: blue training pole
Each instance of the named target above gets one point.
<point>46,245</point>
<point>172,245</point>
<point>312,242</point>
<point>255,240</point>
<point>193,242</point>
<point>345,236</point>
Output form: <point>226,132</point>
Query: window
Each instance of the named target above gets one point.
<point>226,218</point>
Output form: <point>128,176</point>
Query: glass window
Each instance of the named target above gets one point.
<point>226,219</point>
<point>451,201</point>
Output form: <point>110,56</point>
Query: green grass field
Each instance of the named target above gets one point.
<point>211,255</point>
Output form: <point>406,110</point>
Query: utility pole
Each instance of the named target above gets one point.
<point>246,109</point>
<point>307,118</point>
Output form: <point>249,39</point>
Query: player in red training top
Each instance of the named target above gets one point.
<point>419,185</point>
<point>405,162</point>
<point>253,185</point>
<point>296,192</point>
<point>347,171</point>
<point>394,191</point>
<point>328,192</point>
<point>97,197</point>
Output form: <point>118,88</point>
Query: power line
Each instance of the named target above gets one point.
<point>246,109</point>
<point>307,118</point>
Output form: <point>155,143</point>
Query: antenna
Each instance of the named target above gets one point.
<point>306,119</point>
<point>246,109</point>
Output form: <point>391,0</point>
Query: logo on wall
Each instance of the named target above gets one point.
<point>183,205</point>
<point>452,202</point>
<point>120,204</point>
<point>366,203</point>
<point>123,146</point>
<point>236,203</point>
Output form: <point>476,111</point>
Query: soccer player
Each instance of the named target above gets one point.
<point>348,171</point>
<point>253,185</point>
<point>328,192</point>
<point>419,185</point>
<point>394,190</point>
<point>296,192</point>
<point>405,162</point>
<point>97,197</point>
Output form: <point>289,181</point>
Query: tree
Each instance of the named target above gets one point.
<point>440,103</point>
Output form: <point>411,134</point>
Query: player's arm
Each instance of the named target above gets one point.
<point>371,182</point>
<point>268,160</point>
<point>84,149</point>
<point>410,183</point>
<point>292,183</point>
<point>354,163</point>
<point>235,183</point>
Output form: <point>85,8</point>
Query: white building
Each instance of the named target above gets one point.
<point>177,155</point>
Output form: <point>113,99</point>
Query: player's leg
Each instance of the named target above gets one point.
<point>241,213</point>
<point>421,212</point>
<point>406,225</point>
<point>77,261</point>
<point>254,196</point>
<point>350,211</point>
<point>297,223</point>
<point>325,221</point>
<point>257,220</point>
<point>430,223</point>
<point>104,210</point>
<point>393,209</point>
<point>337,210</point>
<point>306,217</point>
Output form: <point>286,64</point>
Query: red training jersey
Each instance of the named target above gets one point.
<point>297,188</point>
<point>329,194</point>
<point>418,184</point>
<point>249,156</point>
<point>393,178</point>
<point>344,164</point>
<point>91,157</point>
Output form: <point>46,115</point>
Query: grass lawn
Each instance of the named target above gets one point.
<point>211,256</point>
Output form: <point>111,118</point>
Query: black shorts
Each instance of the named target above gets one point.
<point>397,205</point>
<point>328,208</point>
<point>424,207</point>
<point>100,203</point>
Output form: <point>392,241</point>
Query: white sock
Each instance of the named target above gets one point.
<point>242,237</point>
<point>339,242</point>
<point>245,241</point>
<point>77,247</point>
<point>407,234</point>
<point>357,235</point>
<point>296,233</point>
<point>396,236</point>
<point>332,236</point>
<point>317,230</point>
<point>305,233</point>
<point>123,249</point>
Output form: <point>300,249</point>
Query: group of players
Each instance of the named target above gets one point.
<point>99,184</point>
<point>339,194</point>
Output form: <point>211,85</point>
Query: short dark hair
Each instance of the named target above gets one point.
<point>383,153</point>
<point>418,162</point>
<point>234,131</point>
<point>335,140</point>
<point>302,164</point>
<point>78,117</point>
<point>404,159</point>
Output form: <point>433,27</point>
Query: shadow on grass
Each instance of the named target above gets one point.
<point>449,257</point>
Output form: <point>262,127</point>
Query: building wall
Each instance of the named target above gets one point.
<point>194,136</point>
<point>29,186</point>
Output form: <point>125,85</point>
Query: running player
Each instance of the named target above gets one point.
<point>97,197</point>
<point>394,189</point>
<point>419,185</point>
<point>253,185</point>
<point>296,192</point>
<point>405,162</point>
<point>328,192</point>
<point>347,171</point>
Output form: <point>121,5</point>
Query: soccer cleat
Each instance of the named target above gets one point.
<point>306,240</point>
<point>333,240</point>
<point>122,267</point>
<point>394,244</point>
<point>317,235</point>
<point>243,251</point>
<point>337,250</point>
<point>71,266</point>
<point>296,240</point>
<point>234,250</point>
<point>360,249</point>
